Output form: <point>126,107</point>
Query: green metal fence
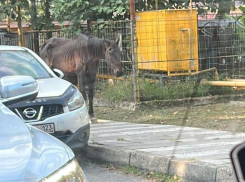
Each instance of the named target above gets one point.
<point>220,45</point>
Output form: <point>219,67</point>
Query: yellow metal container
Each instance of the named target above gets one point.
<point>167,41</point>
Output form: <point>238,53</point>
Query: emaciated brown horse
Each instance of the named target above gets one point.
<point>81,56</point>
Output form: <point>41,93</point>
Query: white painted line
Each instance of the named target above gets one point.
<point>218,162</point>
<point>140,132</point>
<point>201,153</point>
<point>191,146</point>
<point>130,127</point>
<point>105,126</point>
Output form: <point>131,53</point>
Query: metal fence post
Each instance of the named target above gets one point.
<point>135,64</point>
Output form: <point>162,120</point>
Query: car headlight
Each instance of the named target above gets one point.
<point>71,172</point>
<point>76,101</point>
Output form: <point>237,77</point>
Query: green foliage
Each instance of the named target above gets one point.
<point>77,11</point>
<point>74,11</point>
<point>242,9</point>
<point>10,7</point>
<point>123,91</point>
<point>39,16</point>
<point>101,10</point>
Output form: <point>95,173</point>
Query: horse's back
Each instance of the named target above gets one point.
<point>61,53</point>
<point>48,46</point>
<point>52,42</point>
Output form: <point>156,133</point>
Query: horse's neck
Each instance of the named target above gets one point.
<point>100,57</point>
<point>98,53</point>
<point>103,54</point>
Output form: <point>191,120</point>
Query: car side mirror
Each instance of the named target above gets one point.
<point>14,89</point>
<point>58,73</point>
<point>237,156</point>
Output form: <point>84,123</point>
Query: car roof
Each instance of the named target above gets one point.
<point>15,48</point>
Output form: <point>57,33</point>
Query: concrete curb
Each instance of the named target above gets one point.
<point>191,171</point>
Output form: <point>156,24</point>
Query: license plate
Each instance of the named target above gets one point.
<point>48,128</point>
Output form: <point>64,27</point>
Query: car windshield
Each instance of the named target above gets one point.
<point>20,62</point>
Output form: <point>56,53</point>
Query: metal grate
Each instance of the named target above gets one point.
<point>42,112</point>
<point>51,110</point>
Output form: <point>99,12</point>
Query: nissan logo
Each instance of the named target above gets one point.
<point>29,113</point>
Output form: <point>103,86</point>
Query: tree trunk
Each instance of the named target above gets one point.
<point>8,23</point>
<point>36,34</point>
<point>8,19</point>
<point>224,8</point>
<point>48,18</point>
<point>20,33</point>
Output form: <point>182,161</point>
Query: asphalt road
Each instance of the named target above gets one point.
<point>100,173</point>
<point>97,173</point>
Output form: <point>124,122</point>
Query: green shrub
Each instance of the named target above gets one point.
<point>123,91</point>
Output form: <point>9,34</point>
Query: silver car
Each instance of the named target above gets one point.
<point>59,108</point>
<point>28,154</point>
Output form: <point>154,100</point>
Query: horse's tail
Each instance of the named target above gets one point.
<point>45,52</point>
<point>45,48</point>
<point>43,45</point>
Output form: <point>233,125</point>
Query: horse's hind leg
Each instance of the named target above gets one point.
<point>66,78</point>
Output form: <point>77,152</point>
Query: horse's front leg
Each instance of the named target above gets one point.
<point>91,98</point>
<point>81,82</point>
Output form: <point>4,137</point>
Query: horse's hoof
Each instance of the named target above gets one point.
<point>94,120</point>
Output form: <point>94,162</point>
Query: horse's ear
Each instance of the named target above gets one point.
<point>117,41</point>
<point>107,43</point>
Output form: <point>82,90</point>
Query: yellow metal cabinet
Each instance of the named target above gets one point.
<point>167,41</point>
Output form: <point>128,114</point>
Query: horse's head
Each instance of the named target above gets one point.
<point>113,57</point>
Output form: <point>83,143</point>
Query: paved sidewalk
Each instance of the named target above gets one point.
<point>198,155</point>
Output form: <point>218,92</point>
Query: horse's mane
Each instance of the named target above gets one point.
<point>95,45</point>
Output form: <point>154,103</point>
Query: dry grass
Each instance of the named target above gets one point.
<point>224,116</point>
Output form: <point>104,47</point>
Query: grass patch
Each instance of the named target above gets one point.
<point>159,177</point>
<point>96,143</point>
<point>123,91</point>
<point>132,170</point>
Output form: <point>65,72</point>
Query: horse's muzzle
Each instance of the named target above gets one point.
<point>119,73</point>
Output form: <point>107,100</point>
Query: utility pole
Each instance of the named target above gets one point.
<point>192,61</point>
<point>132,9</point>
<point>134,59</point>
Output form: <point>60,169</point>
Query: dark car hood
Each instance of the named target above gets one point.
<point>26,153</point>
